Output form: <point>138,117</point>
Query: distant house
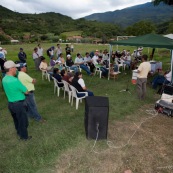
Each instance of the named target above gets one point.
<point>75,38</point>
<point>14,41</point>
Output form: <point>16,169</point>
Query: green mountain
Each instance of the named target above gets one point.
<point>19,25</point>
<point>128,16</point>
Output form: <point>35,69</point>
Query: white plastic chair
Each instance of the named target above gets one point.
<point>74,95</point>
<point>79,68</point>
<point>56,87</point>
<point>67,89</point>
<point>97,70</point>
<point>46,75</point>
<point>120,64</point>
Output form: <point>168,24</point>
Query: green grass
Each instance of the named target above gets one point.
<point>64,128</point>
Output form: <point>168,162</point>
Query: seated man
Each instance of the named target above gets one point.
<point>88,60</point>
<point>70,64</point>
<point>97,61</point>
<point>79,84</point>
<point>160,80</point>
<point>66,76</point>
<point>79,61</point>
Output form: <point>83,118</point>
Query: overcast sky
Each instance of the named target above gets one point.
<point>73,8</point>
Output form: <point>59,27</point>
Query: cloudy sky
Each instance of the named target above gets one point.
<point>73,8</point>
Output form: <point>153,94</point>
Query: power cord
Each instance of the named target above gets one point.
<point>152,112</point>
<point>97,128</point>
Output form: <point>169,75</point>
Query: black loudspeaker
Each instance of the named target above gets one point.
<point>96,117</point>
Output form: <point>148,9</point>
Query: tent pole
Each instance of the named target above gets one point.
<point>110,54</point>
<point>171,51</point>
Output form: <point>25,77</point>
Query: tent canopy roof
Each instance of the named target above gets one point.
<point>149,40</point>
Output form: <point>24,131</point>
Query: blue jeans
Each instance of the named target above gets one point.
<point>127,63</point>
<point>18,112</point>
<point>32,108</point>
<point>85,68</point>
<point>104,71</point>
<point>75,68</point>
<point>159,80</point>
<point>90,93</point>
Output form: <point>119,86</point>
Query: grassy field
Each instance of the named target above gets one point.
<point>60,144</point>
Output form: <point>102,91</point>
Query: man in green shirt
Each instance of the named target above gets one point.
<point>15,92</point>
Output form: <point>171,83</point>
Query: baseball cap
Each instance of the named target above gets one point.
<point>22,65</point>
<point>10,64</point>
<point>68,55</point>
<point>1,48</point>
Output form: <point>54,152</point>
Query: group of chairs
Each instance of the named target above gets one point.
<point>67,88</point>
<point>70,90</point>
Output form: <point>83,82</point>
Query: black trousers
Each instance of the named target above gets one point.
<point>18,112</point>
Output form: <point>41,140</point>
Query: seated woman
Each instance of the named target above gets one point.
<point>67,76</point>
<point>70,64</point>
<point>52,61</point>
<point>127,59</point>
<point>160,80</point>
<point>57,76</point>
<point>44,67</point>
<point>79,84</point>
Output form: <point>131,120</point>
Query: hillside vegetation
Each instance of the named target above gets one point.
<point>51,27</point>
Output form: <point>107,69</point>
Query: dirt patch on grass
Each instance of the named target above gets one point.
<point>149,150</point>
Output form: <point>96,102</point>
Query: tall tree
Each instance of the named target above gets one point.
<point>168,2</point>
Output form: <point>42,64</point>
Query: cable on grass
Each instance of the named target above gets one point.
<point>152,112</point>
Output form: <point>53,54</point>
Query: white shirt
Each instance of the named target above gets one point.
<point>168,76</point>
<point>35,55</point>
<point>58,51</point>
<point>78,60</point>
<point>40,51</point>
<point>105,57</point>
<point>95,58</point>
<point>87,59</point>
<point>81,83</point>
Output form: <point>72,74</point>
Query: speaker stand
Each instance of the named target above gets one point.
<point>126,90</point>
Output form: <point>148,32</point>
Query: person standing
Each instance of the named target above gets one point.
<point>40,50</point>
<point>22,56</point>
<point>67,50</point>
<point>36,58</point>
<point>143,70</point>
<point>2,61</point>
<point>72,47</point>
<point>29,82</point>
<point>58,51</point>
<point>15,92</point>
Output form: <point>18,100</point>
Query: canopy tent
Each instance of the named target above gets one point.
<point>149,40</point>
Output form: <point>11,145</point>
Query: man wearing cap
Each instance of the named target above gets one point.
<point>15,92</point>
<point>29,82</point>
<point>22,56</point>
<point>70,64</point>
